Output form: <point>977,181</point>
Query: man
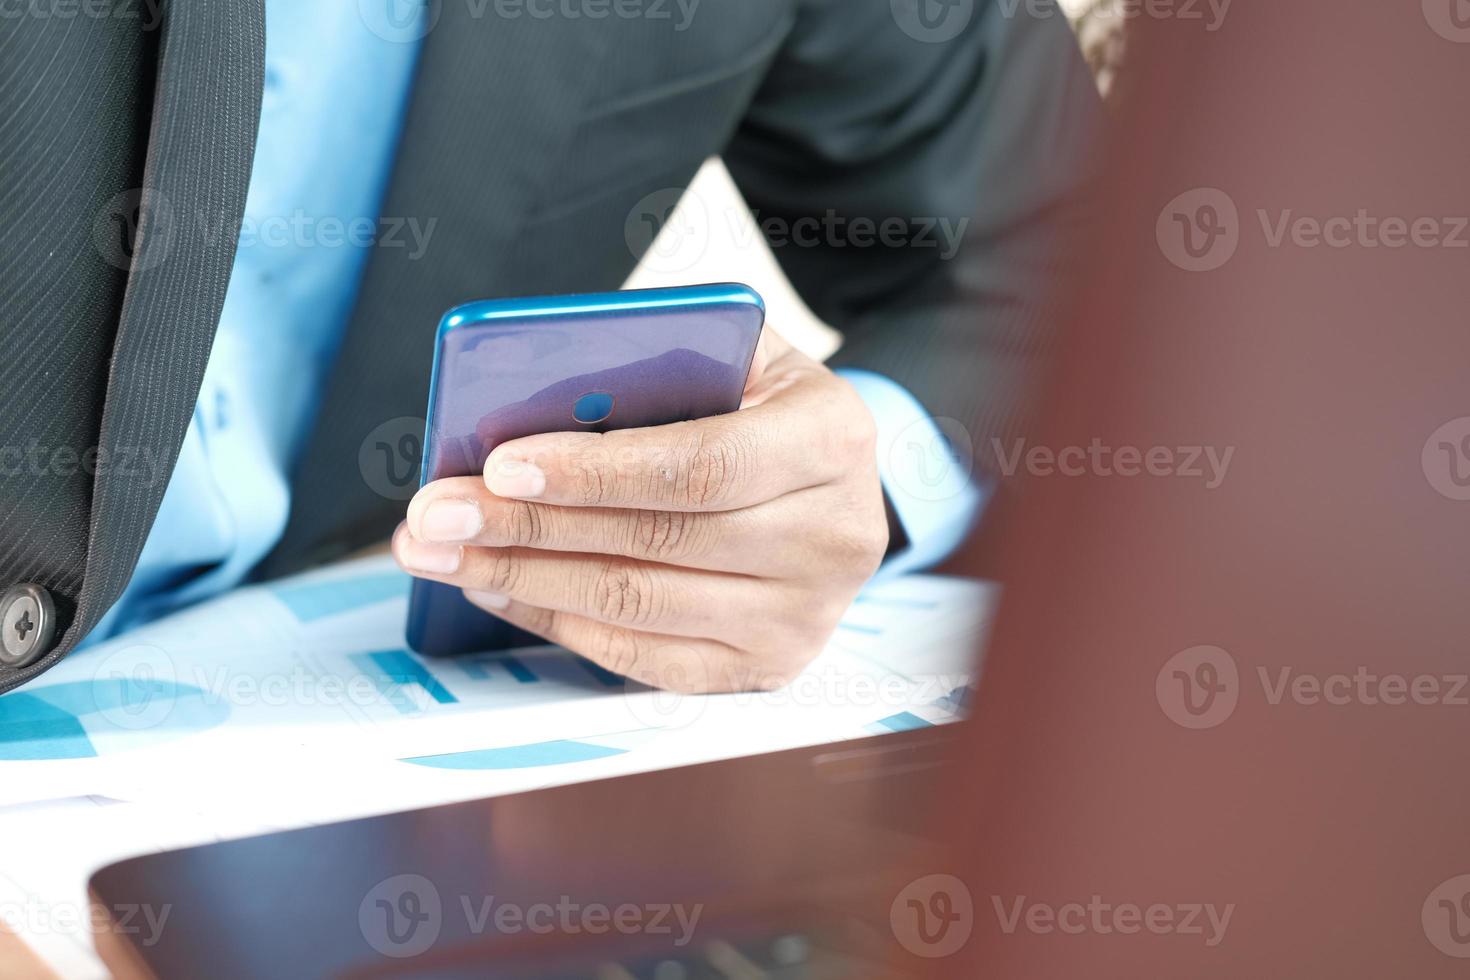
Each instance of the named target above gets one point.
<point>181,419</point>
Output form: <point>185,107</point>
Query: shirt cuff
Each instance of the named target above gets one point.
<point>927,467</point>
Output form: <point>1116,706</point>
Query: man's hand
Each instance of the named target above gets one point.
<point>714,555</point>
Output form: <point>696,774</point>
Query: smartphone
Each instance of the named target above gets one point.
<point>508,368</point>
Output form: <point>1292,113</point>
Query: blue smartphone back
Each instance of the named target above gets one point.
<point>509,368</point>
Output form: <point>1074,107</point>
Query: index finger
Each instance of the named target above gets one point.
<point>791,442</point>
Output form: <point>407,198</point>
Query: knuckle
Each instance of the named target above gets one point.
<point>860,440</point>
<point>619,651</point>
<point>591,480</point>
<point>713,470</point>
<point>542,622</point>
<point>870,547</point>
<point>502,571</point>
<point>524,524</point>
<point>857,545</point>
<point>810,622</point>
<point>828,614</point>
<point>661,535</point>
<point>857,553</point>
<point>623,594</point>
<point>858,430</point>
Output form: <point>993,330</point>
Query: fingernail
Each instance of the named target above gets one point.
<point>451,520</point>
<point>425,556</point>
<point>490,600</point>
<point>515,478</point>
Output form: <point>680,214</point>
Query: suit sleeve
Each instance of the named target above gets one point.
<point>921,189</point>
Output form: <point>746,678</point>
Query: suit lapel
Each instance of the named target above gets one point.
<point>201,143</point>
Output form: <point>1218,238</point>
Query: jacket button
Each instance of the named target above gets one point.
<point>27,622</point>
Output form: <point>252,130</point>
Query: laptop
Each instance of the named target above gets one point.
<point>781,865</point>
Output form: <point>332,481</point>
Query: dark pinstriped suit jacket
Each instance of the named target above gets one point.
<point>530,140</point>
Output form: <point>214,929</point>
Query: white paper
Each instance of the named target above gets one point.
<point>297,703</point>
